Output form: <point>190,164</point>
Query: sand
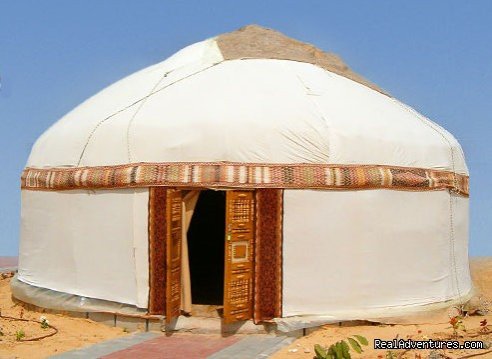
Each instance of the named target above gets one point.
<point>482,277</point>
<point>72,332</point>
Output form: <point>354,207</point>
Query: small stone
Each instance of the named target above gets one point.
<point>293,350</point>
<point>306,350</point>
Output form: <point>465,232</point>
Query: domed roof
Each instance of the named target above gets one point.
<point>250,96</point>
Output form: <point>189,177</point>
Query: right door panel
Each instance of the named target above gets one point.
<point>239,264</point>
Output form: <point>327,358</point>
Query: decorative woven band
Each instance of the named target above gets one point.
<point>243,175</point>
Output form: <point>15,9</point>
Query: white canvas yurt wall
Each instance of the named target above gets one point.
<point>89,243</point>
<point>347,253</point>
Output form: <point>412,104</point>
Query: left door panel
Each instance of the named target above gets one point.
<point>165,222</point>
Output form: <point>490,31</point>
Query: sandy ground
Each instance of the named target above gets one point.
<point>482,277</point>
<point>72,332</point>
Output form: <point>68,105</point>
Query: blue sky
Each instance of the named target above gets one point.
<point>433,55</point>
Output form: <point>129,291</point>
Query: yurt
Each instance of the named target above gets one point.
<point>249,172</point>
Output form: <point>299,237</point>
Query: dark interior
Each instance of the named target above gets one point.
<point>206,248</point>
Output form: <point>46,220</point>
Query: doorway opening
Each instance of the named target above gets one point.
<point>206,235</point>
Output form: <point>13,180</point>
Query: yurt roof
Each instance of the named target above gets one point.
<point>249,96</point>
<point>255,41</point>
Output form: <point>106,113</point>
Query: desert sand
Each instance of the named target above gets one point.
<point>72,332</point>
<point>481,268</point>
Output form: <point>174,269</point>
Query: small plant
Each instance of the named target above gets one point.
<point>1,332</point>
<point>341,349</point>
<point>44,322</point>
<point>19,335</point>
<point>391,355</point>
<point>457,324</point>
<point>484,326</point>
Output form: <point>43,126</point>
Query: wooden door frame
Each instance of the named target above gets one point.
<point>157,229</point>
<point>268,254</point>
<point>267,249</point>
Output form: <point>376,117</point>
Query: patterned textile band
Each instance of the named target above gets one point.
<point>244,175</point>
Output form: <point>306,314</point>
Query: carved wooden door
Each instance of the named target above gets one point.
<point>239,266</point>
<point>173,253</point>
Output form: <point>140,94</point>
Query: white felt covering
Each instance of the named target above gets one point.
<point>197,107</point>
<point>365,251</point>
<point>88,243</point>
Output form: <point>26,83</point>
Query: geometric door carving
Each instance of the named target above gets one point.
<point>239,260</point>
